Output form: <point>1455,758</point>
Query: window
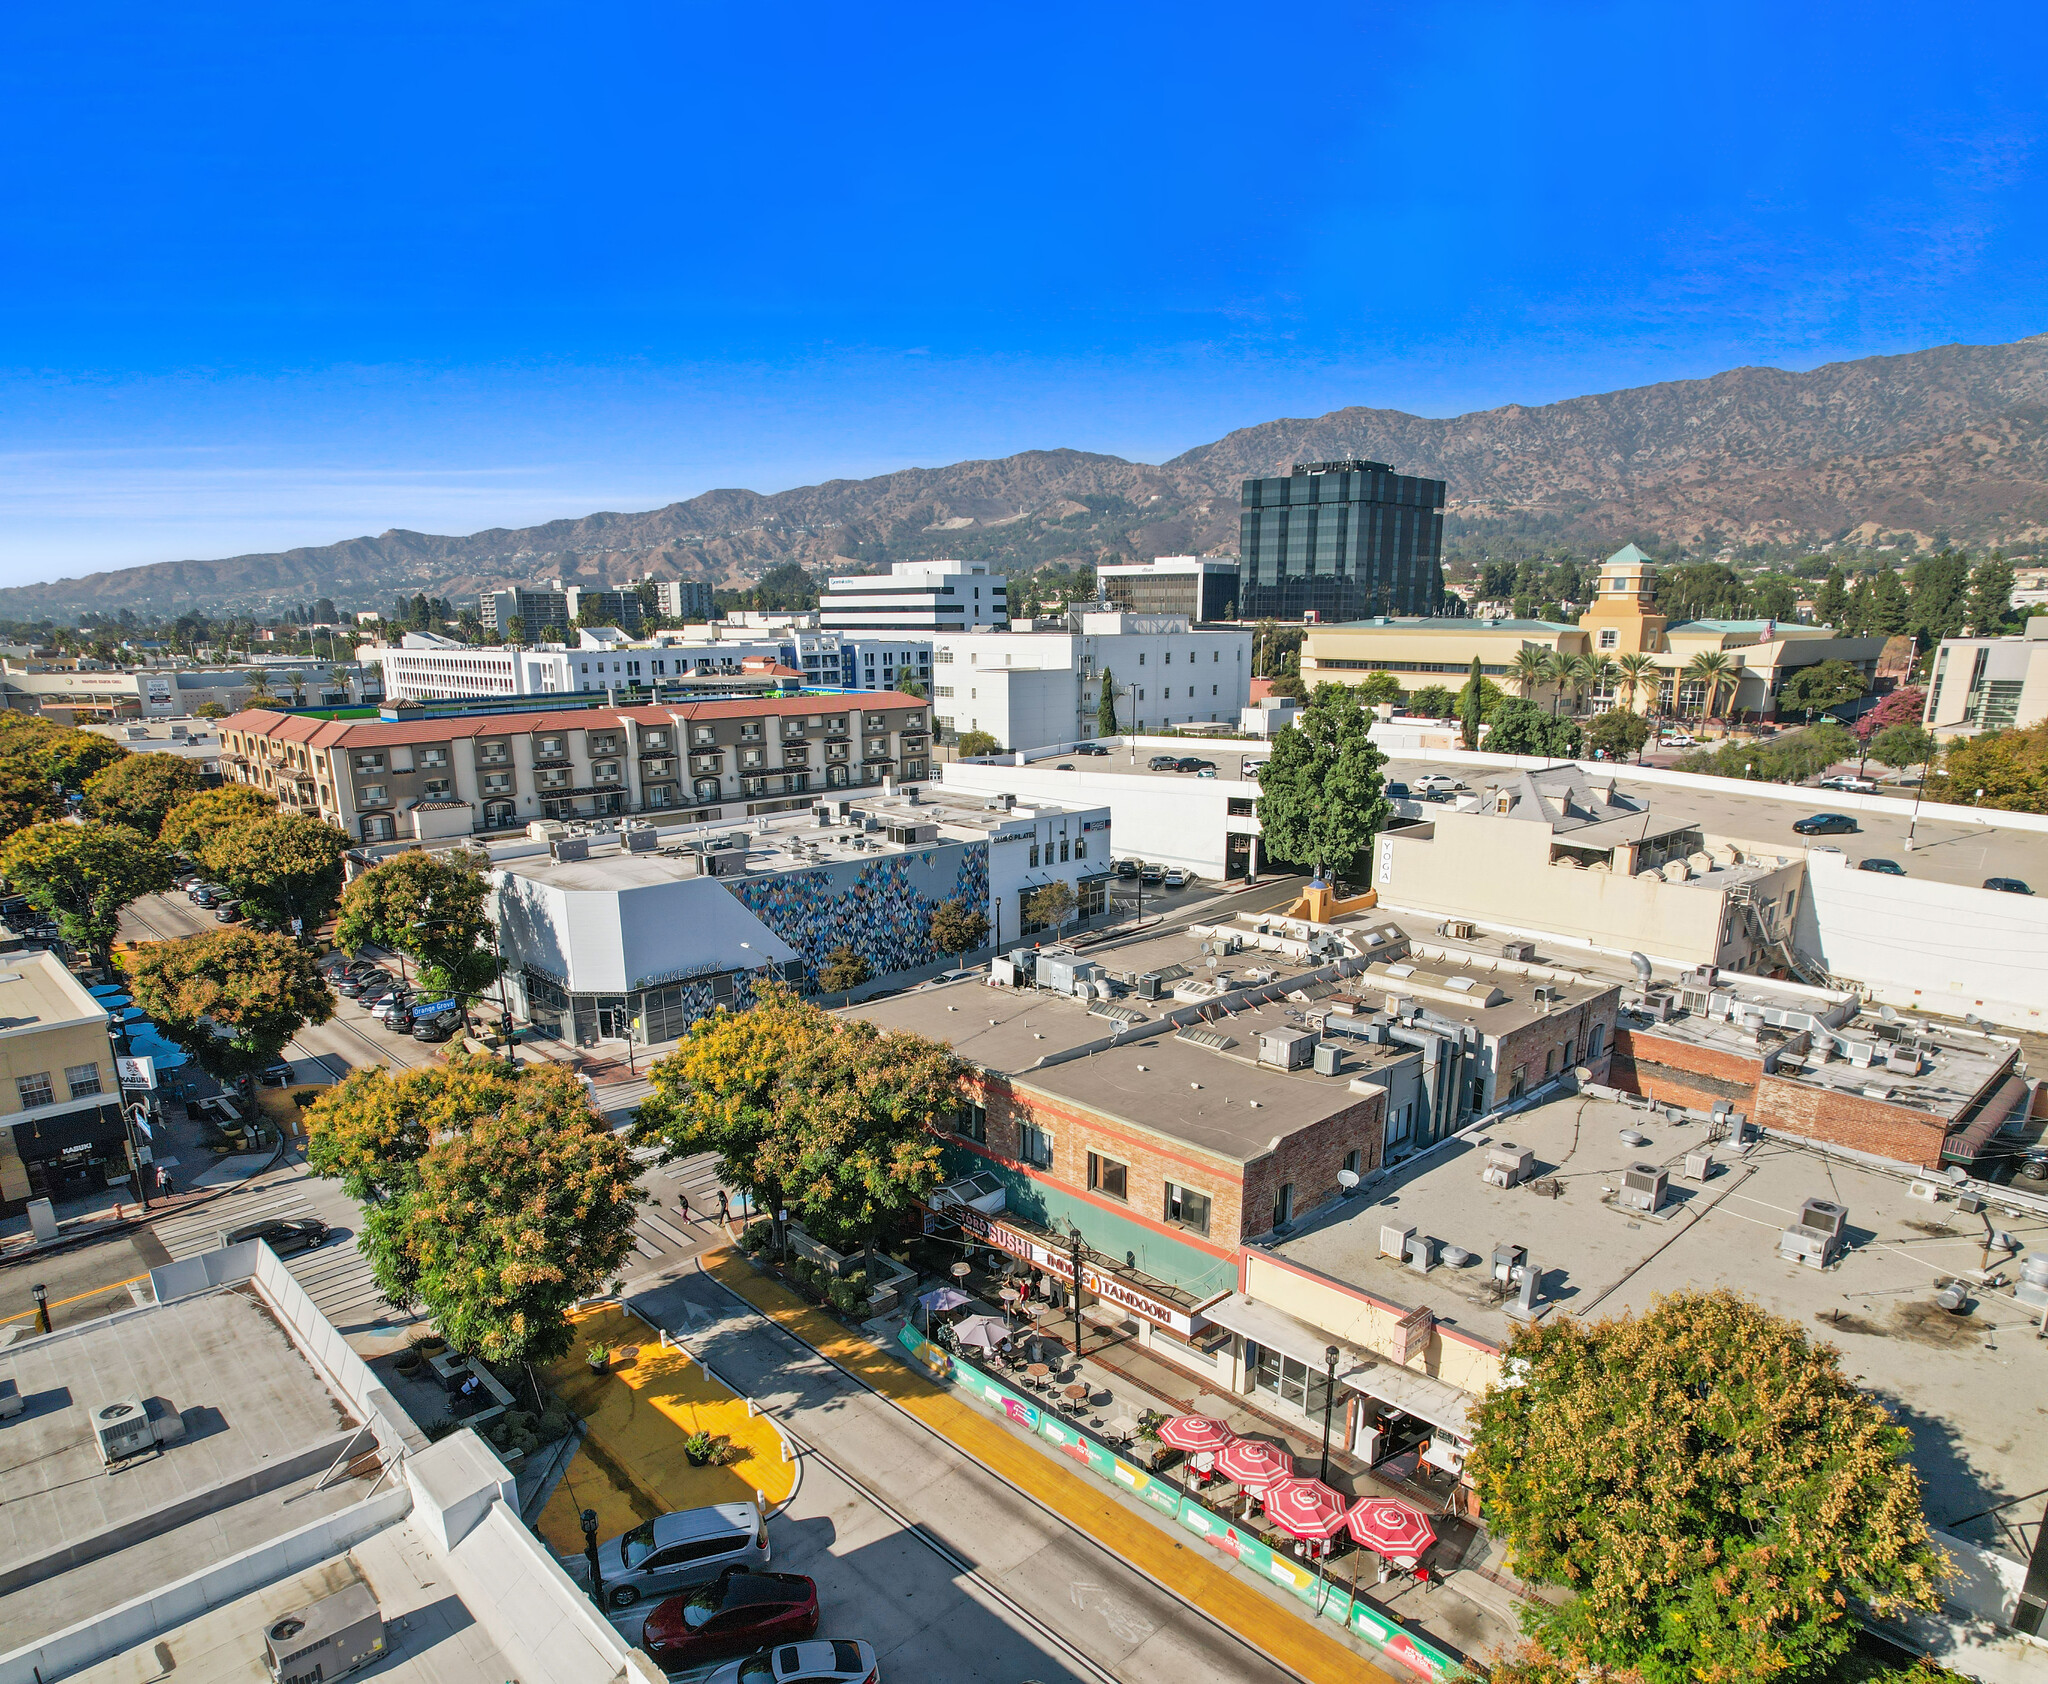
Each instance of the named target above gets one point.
<point>1596,1041</point>
<point>1239,806</point>
<point>1283,1206</point>
<point>497,783</point>
<point>83,1079</point>
<point>1063,850</point>
<point>433,757</point>
<point>1106,1175</point>
<point>1609,637</point>
<point>1034,1146</point>
<point>1351,1160</point>
<point>437,789</point>
<point>970,1122</point>
<point>369,763</point>
<point>34,1090</point>
<point>371,795</point>
<point>1034,853</point>
<point>1187,1207</point>
<point>549,747</point>
<point>1286,1378</point>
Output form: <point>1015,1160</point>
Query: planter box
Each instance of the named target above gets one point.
<point>890,1275</point>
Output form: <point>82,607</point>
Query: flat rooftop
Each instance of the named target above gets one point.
<point>1496,998</point>
<point>1216,1097</point>
<point>1970,1388</point>
<point>432,1637</point>
<point>792,841</point>
<point>37,992</point>
<point>1944,850</point>
<point>261,1427</point>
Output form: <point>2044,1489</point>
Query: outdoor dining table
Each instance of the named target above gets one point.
<point>1077,1391</point>
<point>1038,1370</point>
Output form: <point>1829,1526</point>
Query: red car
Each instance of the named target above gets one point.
<point>737,1612</point>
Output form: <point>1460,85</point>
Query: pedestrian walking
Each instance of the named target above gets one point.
<point>724,1209</point>
<point>683,1205</point>
<point>163,1182</point>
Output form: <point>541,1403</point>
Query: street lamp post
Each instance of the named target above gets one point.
<point>1074,1249</point>
<point>1329,1400</point>
<point>588,1520</point>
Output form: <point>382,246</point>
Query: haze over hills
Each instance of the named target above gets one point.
<point>1932,447</point>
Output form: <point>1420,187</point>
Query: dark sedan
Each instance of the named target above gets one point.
<point>1825,824</point>
<point>282,1237</point>
<point>1886,868</point>
<point>2007,885</point>
<point>1090,748</point>
<point>740,1611</point>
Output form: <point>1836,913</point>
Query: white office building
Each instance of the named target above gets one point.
<point>1032,689</point>
<point>917,597</point>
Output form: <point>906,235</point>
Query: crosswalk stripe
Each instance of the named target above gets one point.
<point>649,1220</point>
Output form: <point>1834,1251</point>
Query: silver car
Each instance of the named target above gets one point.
<point>821,1661</point>
<point>679,1551</point>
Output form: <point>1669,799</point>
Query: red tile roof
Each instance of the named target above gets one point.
<point>432,728</point>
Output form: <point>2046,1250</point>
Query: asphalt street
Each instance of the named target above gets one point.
<point>944,1568</point>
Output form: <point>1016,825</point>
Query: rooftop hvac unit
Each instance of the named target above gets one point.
<point>1458,929</point>
<point>1507,1165</point>
<point>1421,1253</point>
<point>1657,1007</point>
<point>1329,1058</point>
<point>1824,1214</point>
<point>1149,986</point>
<point>2033,1284</point>
<point>1522,951</point>
<point>1509,1262</point>
<point>1816,1248</point>
<point>913,835</point>
<point>332,1638</point>
<point>1289,1049</point>
<point>127,1427</point>
<point>821,816</point>
<point>1699,1166</point>
<point>640,841</point>
<point>1643,1186</point>
<point>1394,1240</point>
<point>569,848</point>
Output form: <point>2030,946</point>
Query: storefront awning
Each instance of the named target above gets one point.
<point>1438,1402</point>
<point>1274,1329</point>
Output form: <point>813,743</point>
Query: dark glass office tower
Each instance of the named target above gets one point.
<point>1341,541</point>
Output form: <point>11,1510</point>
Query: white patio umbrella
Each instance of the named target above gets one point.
<point>984,1331</point>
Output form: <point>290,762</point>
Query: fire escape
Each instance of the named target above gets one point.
<point>1778,942</point>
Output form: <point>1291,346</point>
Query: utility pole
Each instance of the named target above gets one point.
<point>1074,1249</point>
<point>1329,1400</point>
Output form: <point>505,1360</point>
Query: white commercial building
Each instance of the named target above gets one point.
<point>924,597</point>
<point>1034,689</point>
<point>1989,683</point>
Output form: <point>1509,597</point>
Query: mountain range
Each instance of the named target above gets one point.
<point>1947,445</point>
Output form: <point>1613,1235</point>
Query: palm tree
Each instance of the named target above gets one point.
<point>258,688</point>
<point>1636,673</point>
<point>1715,670</point>
<point>1558,671</point>
<point>1529,668</point>
<point>1601,672</point>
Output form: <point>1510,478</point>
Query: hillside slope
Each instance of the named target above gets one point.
<point>1948,444</point>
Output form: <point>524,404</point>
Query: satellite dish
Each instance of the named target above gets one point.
<point>1889,1015</point>
<point>1347,1179</point>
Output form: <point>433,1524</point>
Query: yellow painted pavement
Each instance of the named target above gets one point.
<point>1187,1569</point>
<point>636,1416</point>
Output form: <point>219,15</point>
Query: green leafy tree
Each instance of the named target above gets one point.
<point>515,1219</point>
<point>1473,705</point>
<point>973,744</point>
<point>1824,685</point>
<point>233,999</point>
<point>957,927</point>
<point>27,794</point>
<point>1433,701</point>
<point>1105,709</point>
<point>1379,689</point>
<point>1529,669</point>
<point>1321,796</point>
<point>1989,608</point>
<point>197,819</point>
<point>1714,1493</point>
<point>856,1135</point>
<point>73,758</point>
<point>1517,726</point>
<point>371,1129</point>
<point>1890,611</point>
<point>1618,733</point>
<point>1051,907</point>
<point>1900,746</point>
<point>140,789</point>
<point>82,875</point>
<point>2010,767</point>
<point>435,908</point>
<point>209,710</point>
<point>911,687</point>
<point>1831,601</point>
<point>287,866</point>
<point>1940,596</point>
<point>843,971</point>
<point>718,1091</point>
<point>1635,674</point>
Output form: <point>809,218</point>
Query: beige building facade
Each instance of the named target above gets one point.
<point>61,1128</point>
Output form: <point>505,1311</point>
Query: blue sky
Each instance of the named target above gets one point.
<point>275,275</point>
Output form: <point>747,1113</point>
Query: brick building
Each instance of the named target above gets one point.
<point>1811,1063</point>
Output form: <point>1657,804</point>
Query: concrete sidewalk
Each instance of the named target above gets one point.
<point>1302,1646</point>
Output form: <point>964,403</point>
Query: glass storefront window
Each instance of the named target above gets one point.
<point>1291,1381</point>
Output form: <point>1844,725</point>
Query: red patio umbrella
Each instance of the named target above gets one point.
<point>1194,1433</point>
<point>1306,1508</point>
<point>1389,1526</point>
<point>1253,1463</point>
